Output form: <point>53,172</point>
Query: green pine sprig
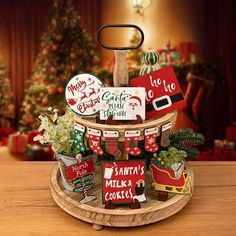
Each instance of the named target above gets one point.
<point>192,152</point>
<point>186,139</point>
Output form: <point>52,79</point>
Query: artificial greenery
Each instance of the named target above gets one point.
<point>57,131</point>
<point>186,139</point>
<point>167,158</point>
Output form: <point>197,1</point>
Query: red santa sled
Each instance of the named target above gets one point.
<point>164,180</point>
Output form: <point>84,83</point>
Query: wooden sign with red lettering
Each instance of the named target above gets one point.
<point>123,181</point>
<point>81,169</point>
<point>163,92</point>
<point>82,94</point>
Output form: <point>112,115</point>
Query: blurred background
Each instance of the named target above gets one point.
<point>44,43</point>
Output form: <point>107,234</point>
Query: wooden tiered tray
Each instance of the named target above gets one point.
<point>95,213</point>
<point>122,216</point>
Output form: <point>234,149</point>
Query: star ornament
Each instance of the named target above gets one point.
<point>151,141</point>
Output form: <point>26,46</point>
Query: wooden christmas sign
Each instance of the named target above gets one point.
<point>84,183</point>
<point>123,103</point>
<point>123,181</point>
<point>163,92</point>
<point>82,94</point>
<point>80,169</point>
<point>81,175</point>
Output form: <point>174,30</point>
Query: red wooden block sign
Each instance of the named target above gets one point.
<point>163,92</point>
<point>123,181</point>
<point>81,169</point>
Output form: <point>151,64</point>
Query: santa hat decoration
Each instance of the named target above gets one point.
<point>137,98</point>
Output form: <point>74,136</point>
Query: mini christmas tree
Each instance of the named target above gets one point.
<point>7,109</point>
<point>66,49</point>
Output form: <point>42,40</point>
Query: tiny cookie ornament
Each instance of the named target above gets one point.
<point>82,94</point>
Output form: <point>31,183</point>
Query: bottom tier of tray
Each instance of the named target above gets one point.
<point>122,216</point>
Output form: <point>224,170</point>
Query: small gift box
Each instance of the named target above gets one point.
<point>17,142</point>
<point>188,50</point>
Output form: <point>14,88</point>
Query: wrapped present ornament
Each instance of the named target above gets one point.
<point>17,143</point>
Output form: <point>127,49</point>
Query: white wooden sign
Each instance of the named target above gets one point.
<point>82,94</point>
<point>124,103</point>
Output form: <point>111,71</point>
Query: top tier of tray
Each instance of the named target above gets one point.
<point>121,79</point>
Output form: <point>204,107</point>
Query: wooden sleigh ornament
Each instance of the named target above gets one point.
<point>165,180</point>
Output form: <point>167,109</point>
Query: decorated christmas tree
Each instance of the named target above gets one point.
<point>7,108</point>
<point>66,49</point>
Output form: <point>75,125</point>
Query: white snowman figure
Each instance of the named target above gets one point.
<point>133,107</point>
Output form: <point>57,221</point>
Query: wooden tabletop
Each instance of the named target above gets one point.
<point>27,208</point>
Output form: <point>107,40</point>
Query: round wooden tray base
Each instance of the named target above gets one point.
<point>122,216</point>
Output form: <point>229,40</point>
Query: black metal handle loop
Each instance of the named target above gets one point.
<point>119,26</point>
